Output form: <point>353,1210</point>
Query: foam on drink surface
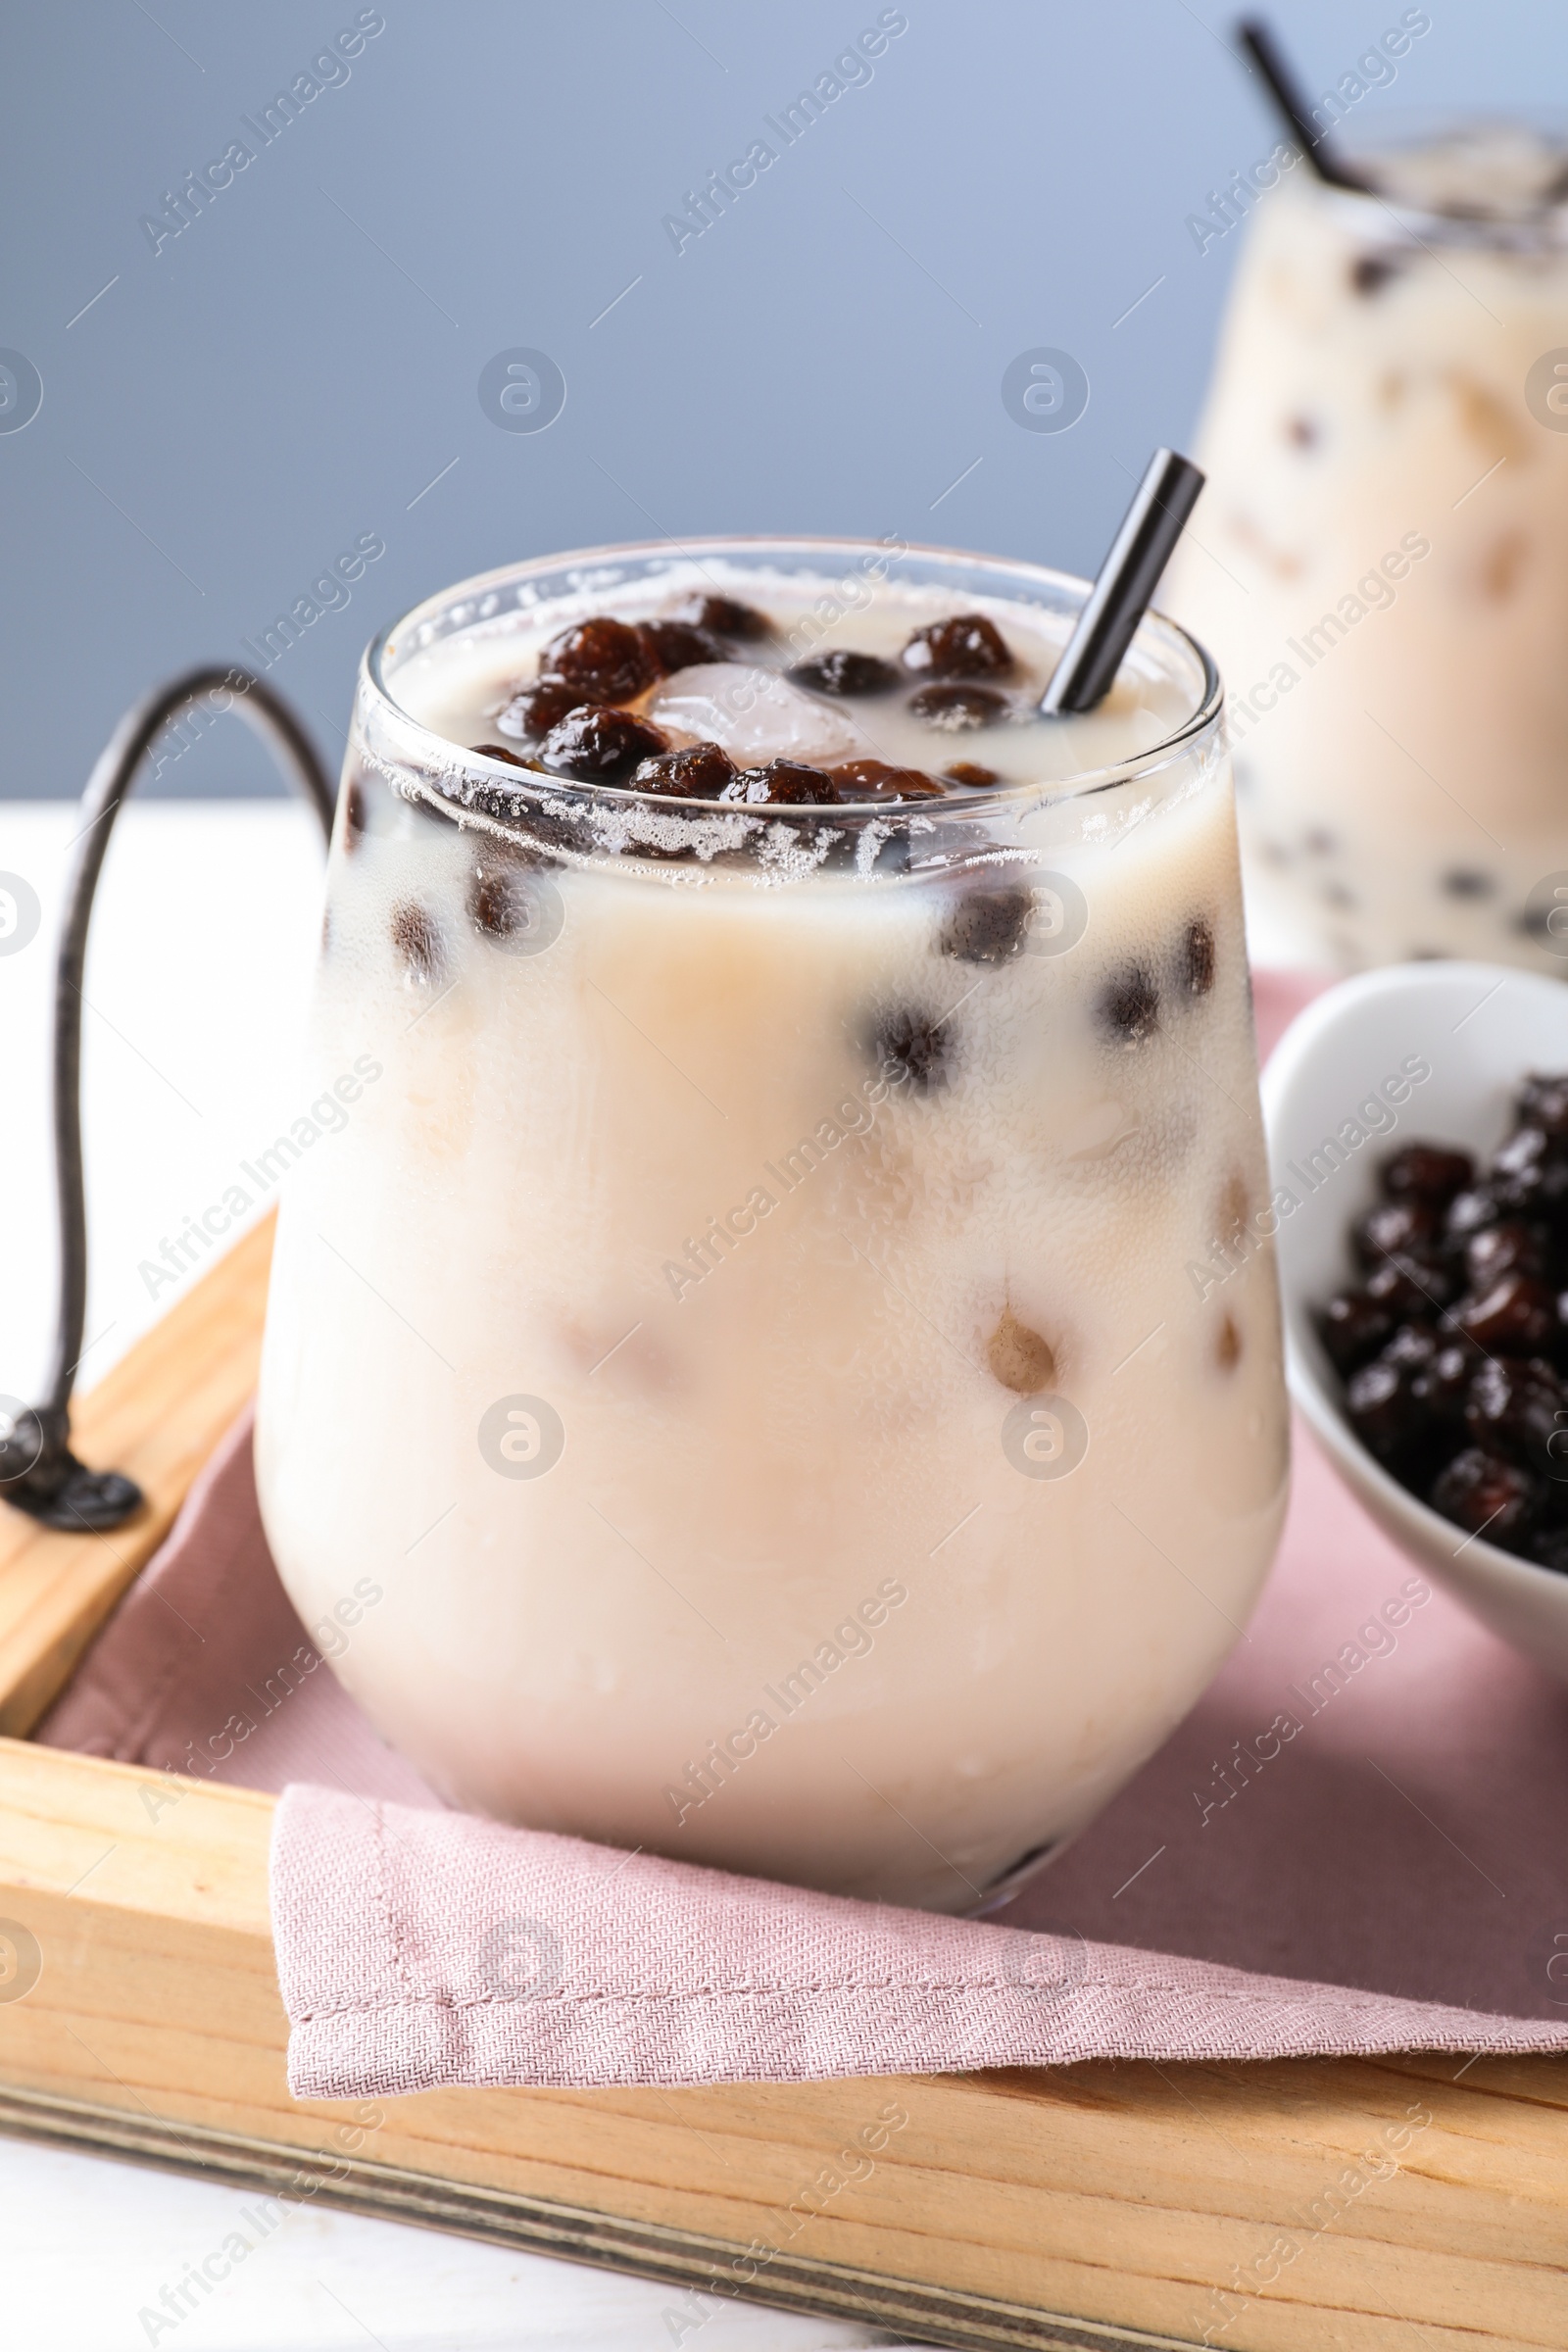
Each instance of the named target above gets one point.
<point>891,1247</point>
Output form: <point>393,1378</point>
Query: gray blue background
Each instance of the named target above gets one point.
<point>295,368</point>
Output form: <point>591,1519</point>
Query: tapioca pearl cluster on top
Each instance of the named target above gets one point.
<point>603,661</point>
<point>573,714</point>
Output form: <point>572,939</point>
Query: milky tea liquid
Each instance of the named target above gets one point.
<point>764,1330</point>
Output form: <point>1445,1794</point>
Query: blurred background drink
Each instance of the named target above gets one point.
<point>1383,563</point>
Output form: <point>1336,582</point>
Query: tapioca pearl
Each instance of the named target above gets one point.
<point>1234,1206</point>
<point>1354,1327</point>
<point>1319,842</point>
<point>988,926</point>
<point>1228,1344</point>
<point>971,774</point>
<point>957,709</point>
<point>1196,957</point>
<point>681,644</point>
<point>1442,1177</point>
<point>532,712</point>
<point>1483,1492</point>
<point>782,782</point>
<point>502,897</point>
<point>969,645</point>
<point>913,1049</point>
<point>700,772</point>
<point>418,941</point>
<point>490,902</point>
<point>499,750</point>
<point>840,671</point>
<point>533,829</point>
<point>1128,1008</point>
<point>880,780</point>
<point>597,744</point>
<point>1370,272</point>
<point>1511,1248</point>
<point>1497,571</point>
<point>1489,421</point>
<point>607,661</point>
<point>1543,1104</point>
<point>1020,1357</point>
<point>1396,1228</point>
<point>1304,431</point>
<point>1467,882</point>
<point>724,616</point>
<point>354,814</point>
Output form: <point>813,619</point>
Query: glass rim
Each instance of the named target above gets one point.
<point>448,755</point>
<point>1400,128</point>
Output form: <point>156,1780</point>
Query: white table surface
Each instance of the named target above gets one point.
<point>203,943</point>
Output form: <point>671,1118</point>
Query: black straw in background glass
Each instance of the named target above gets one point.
<point>1258,41</point>
<point>1127,580</point>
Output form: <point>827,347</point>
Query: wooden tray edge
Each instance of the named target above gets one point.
<point>158,1416</point>
<point>537,2224</point>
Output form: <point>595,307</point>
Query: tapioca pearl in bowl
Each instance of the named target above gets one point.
<point>1443,1049</point>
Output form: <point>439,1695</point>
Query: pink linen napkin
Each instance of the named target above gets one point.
<point>420,1950</point>
<point>1391,1876</point>
<point>204,1667</point>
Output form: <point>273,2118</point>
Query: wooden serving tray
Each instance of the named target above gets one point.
<point>1086,2206</point>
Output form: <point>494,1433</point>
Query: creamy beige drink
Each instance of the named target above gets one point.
<point>761,1333</point>
<point>1383,568</point>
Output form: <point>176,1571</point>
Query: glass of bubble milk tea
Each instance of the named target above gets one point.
<point>1383,567</point>
<point>789,1332</point>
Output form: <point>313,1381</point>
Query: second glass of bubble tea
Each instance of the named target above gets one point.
<point>1383,572</point>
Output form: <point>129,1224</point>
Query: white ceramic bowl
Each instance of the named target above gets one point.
<point>1350,1066</point>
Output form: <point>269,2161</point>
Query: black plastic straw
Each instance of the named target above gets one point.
<point>1128,579</point>
<point>1258,41</point>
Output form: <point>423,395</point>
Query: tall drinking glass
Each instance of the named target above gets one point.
<point>778,1362</point>
<point>1383,568</point>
